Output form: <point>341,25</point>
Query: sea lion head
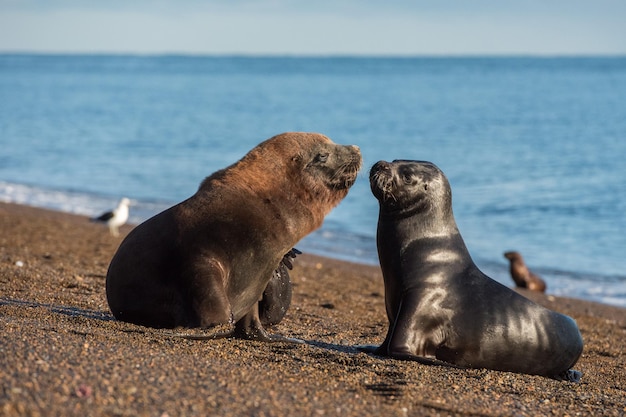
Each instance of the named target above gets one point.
<point>313,160</point>
<point>310,171</point>
<point>324,170</point>
<point>306,169</point>
<point>512,256</point>
<point>404,188</point>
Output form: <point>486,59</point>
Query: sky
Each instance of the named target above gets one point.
<point>315,27</point>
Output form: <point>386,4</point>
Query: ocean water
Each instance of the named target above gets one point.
<point>534,148</point>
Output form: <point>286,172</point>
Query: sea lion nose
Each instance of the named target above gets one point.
<point>380,166</point>
<point>354,149</point>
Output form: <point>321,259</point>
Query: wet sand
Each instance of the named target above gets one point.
<point>63,354</point>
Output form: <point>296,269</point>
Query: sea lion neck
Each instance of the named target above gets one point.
<point>418,226</point>
<point>286,205</point>
<point>429,216</point>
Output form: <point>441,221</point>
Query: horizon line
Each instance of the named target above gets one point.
<point>319,55</point>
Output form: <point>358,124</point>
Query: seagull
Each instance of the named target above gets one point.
<point>116,218</point>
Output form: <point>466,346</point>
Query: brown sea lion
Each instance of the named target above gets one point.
<point>523,277</point>
<point>207,261</point>
<point>439,304</point>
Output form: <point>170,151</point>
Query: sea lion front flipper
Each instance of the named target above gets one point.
<point>370,349</point>
<point>249,327</point>
<point>408,339</point>
<point>210,303</point>
<point>289,256</point>
<point>378,350</point>
<point>277,295</point>
<point>569,376</point>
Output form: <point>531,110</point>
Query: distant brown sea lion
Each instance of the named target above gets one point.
<point>439,304</point>
<point>207,261</point>
<point>522,276</point>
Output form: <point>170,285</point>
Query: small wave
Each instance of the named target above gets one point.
<point>60,200</point>
<point>540,210</point>
<point>75,202</point>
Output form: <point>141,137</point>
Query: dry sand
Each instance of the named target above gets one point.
<point>63,354</point>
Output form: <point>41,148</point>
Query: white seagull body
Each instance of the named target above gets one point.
<point>116,218</point>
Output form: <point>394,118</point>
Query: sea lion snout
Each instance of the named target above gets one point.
<point>381,169</point>
<point>381,180</point>
<point>343,168</point>
<point>355,159</point>
<point>511,255</point>
<point>379,166</point>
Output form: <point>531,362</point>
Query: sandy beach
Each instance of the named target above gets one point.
<point>63,354</point>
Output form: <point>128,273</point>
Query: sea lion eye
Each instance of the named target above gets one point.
<point>322,157</point>
<point>407,178</point>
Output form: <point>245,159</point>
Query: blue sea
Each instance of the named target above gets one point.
<point>534,147</point>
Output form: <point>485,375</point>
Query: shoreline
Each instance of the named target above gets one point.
<point>568,282</point>
<point>62,353</point>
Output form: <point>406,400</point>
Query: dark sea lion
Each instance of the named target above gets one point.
<point>522,276</point>
<point>207,261</point>
<point>439,304</point>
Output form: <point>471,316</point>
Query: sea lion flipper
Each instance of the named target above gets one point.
<point>276,297</point>
<point>211,303</point>
<point>249,327</point>
<point>570,376</point>
<point>408,338</point>
<point>288,257</point>
<point>370,349</point>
